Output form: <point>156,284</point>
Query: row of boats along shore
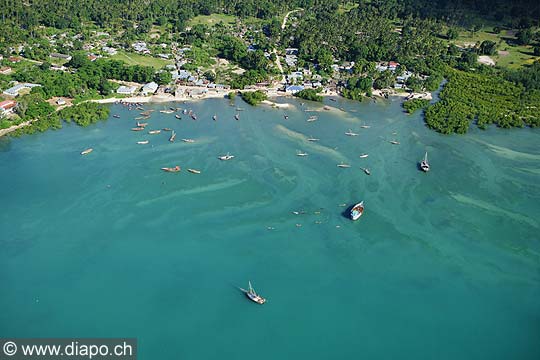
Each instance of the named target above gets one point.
<point>355,212</point>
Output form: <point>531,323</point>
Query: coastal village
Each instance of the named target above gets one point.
<point>185,80</point>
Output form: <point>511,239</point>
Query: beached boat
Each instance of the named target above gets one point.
<point>351,133</point>
<point>342,165</point>
<point>87,151</point>
<point>301,153</point>
<point>173,169</point>
<point>194,171</point>
<point>188,140</point>
<point>424,165</point>
<point>173,136</point>
<point>139,128</point>
<point>143,142</point>
<point>152,132</point>
<point>357,210</point>
<point>226,157</point>
<point>237,116</point>
<point>366,170</point>
<point>394,142</point>
<point>116,116</point>
<point>252,295</point>
<point>363,156</point>
<point>178,117</point>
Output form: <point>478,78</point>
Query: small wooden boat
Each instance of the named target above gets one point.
<point>214,117</point>
<point>326,107</point>
<point>146,113</point>
<point>173,169</point>
<point>226,157</point>
<point>363,156</point>
<point>252,295</point>
<point>351,133</point>
<point>153,132</point>
<point>424,165</point>
<point>357,210</point>
<point>87,151</point>
<point>300,153</point>
<point>166,129</point>
<point>178,117</point>
<point>194,171</point>
<point>140,108</point>
<point>237,116</point>
<point>116,116</point>
<point>344,166</point>
<point>144,142</point>
<point>173,136</point>
<point>332,99</point>
<point>395,142</point>
<point>140,128</point>
<point>188,140</point>
<point>366,170</point>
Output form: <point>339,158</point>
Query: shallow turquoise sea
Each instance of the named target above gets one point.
<point>444,265</point>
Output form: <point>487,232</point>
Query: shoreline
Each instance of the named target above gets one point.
<point>187,94</point>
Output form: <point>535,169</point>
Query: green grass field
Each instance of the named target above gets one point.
<point>212,19</point>
<point>145,60</point>
<point>518,55</point>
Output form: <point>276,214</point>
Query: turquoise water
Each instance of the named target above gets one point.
<point>444,265</point>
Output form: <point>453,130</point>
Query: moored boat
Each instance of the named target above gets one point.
<point>166,129</point>
<point>188,140</point>
<point>143,142</point>
<point>237,116</point>
<point>152,132</point>
<point>363,156</point>
<point>424,165</point>
<point>252,295</point>
<point>116,116</point>
<point>351,133</point>
<point>342,165</point>
<point>357,210</point>
<point>140,124</point>
<point>214,117</point>
<point>301,153</point>
<point>194,171</point>
<point>226,157</point>
<point>139,128</point>
<point>87,151</point>
<point>173,136</point>
<point>178,117</point>
<point>394,142</point>
<point>173,169</point>
<point>366,170</point>
<point>312,118</point>
<point>312,139</point>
